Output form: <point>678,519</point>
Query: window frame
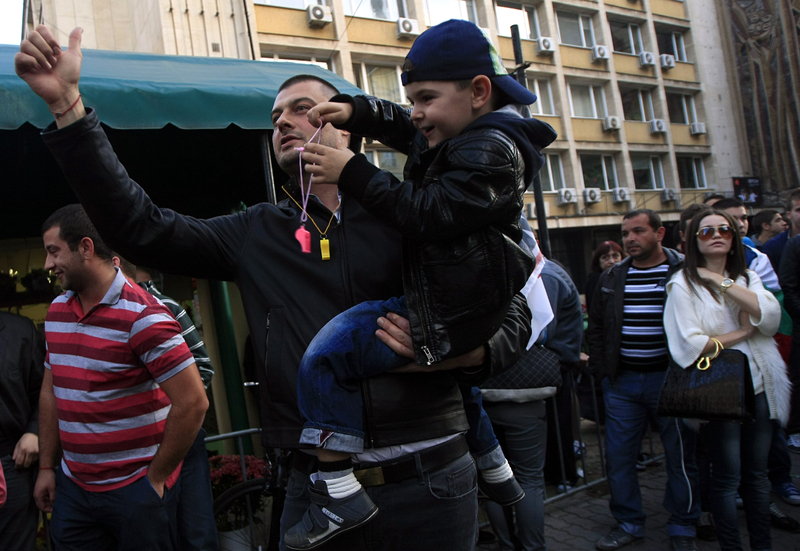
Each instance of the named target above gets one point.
<point>373,154</point>
<point>547,168</point>
<point>645,105</point>
<point>363,81</point>
<point>656,173</point>
<point>604,159</point>
<point>534,86</point>
<point>634,38</point>
<point>398,6</point>
<point>698,169</point>
<point>592,88</point>
<point>687,107</point>
<point>469,5</point>
<point>531,15</point>
<point>582,18</point>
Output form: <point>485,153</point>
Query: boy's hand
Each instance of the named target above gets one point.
<point>334,113</point>
<point>326,163</point>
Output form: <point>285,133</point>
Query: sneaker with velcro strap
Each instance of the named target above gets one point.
<point>327,517</point>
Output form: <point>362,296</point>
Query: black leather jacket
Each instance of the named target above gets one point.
<point>458,211</point>
<point>287,295</point>
<point>606,312</point>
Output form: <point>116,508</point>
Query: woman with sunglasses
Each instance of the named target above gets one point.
<point>715,302</point>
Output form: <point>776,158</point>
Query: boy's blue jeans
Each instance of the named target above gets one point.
<point>345,351</point>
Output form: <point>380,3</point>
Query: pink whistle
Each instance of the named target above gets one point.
<point>304,238</point>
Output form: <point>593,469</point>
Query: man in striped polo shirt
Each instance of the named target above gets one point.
<point>121,398</point>
<point>628,351</point>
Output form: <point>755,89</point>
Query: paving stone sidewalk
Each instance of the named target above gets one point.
<point>576,522</point>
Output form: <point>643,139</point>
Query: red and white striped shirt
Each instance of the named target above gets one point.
<point>106,367</point>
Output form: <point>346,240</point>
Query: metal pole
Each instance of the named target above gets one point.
<point>229,357</point>
<point>538,197</point>
<point>269,178</point>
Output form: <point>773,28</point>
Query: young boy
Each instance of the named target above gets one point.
<point>471,156</point>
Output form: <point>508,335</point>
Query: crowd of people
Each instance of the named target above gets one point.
<point>397,410</point>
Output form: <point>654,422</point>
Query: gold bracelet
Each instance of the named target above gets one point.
<point>719,348</point>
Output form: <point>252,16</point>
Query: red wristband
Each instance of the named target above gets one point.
<point>47,468</point>
<point>61,114</point>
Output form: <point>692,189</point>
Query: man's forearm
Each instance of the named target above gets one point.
<point>180,430</point>
<point>49,439</point>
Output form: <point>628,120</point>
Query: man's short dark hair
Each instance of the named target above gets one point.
<point>763,217</point>
<point>73,225</point>
<point>690,212</point>
<point>297,79</point>
<point>713,197</point>
<point>653,217</point>
<point>793,196</point>
<point>728,203</point>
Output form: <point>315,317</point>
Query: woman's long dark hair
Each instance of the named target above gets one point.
<point>735,262</point>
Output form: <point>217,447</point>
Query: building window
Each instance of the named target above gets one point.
<point>376,9</point>
<point>299,4</point>
<point>587,101</point>
<point>544,103</point>
<point>575,29</point>
<point>290,58</point>
<point>671,43</point>
<point>647,172</point>
<point>637,105</point>
<point>599,171</point>
<point>439,11</point>
<point>626,37</point>
<point>691,173</point>
<point>681,109</point>
<point>388,160</point>
<point>510,13</point>
<point>552,173</point>
<point>380,81</point>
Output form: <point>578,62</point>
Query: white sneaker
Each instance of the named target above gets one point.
<point>793,441</point>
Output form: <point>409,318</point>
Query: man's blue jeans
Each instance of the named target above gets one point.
<point>433,511</point>
<point>522,431</point>
<point>130,518</point>
<point>631,400</point>
<point>329,387</point>
<point>197,528</point>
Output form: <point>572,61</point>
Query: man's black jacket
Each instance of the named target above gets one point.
<point>287,295</point>
<point>605,315</point>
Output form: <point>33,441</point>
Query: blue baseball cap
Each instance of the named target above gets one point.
<point>459,50</point>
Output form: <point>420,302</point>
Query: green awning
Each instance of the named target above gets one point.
<point>146,91</point>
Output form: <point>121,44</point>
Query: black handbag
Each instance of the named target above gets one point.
<point>722,390</point>
<point>538,367</point>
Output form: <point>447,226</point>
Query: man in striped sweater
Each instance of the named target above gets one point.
<point>121,398</point>
<point>628,352</point>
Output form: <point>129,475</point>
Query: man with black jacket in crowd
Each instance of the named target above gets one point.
<point>628,352</point>
<point>21,371</point>
<point>424,480</point>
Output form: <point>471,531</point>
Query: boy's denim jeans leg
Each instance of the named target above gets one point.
<point>480,437</point>
<point>328,383</point>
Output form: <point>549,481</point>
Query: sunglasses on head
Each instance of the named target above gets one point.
<point>704,234</point>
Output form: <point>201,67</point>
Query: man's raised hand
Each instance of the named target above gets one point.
<point>52,73</point>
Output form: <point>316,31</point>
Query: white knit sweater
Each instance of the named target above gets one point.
<point>690,320</point>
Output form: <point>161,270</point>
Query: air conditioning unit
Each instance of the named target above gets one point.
<point>667,61</point>
<point>591,195</point>
<point>599,53</point>
<point>647,59</point>
<point>407,29</point>
<point>318,16</point>
<point>697,128</point>
<point>668,195</point>
<point>566,196</point>
<point>611,124</point>
<point>620,195</point>
<point>658,126</point>
<point>545,46</point>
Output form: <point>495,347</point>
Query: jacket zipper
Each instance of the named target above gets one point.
<point>425,315</point>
